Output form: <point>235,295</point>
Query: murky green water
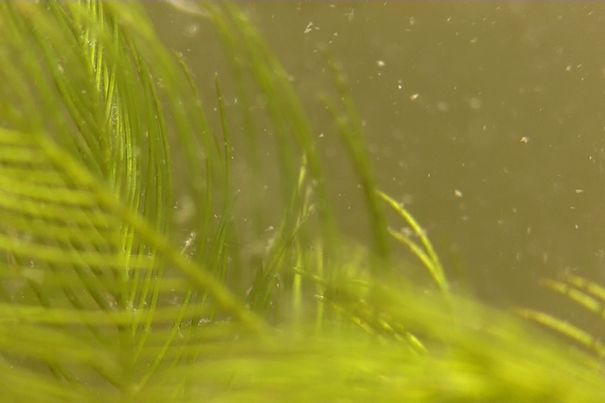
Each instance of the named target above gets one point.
<point>486,118</point>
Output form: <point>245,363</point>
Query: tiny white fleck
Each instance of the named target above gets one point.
<point>192,30</point>
<point>578,191</point>
<point>414,97</point>
<point>524,139</point>
<point>380,63</point>
<point>568,68</point>
<point>309,27</point>
<point>457,193</point>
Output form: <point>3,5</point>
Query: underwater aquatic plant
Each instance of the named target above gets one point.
<point>98,302</point>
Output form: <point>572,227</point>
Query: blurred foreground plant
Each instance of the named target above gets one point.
<point>102,297</point>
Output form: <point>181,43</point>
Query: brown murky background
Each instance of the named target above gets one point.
<point>486,118</point>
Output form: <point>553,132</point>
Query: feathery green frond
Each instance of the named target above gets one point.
<point>425,251</point>
<point>587,295</point>
<point>121,267</point>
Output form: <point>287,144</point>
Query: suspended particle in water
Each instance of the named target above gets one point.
<point>192,30</point>
<point>414,97</point>
<point>443,106</point>
<point>475,103</point>
<point>351,14</point>
<point>524,140</point>
<point>204,321</point>
<point>188,242</point>
<point>457,193</point>
<point>309,27</point>
<point>380,63</point>
<point>407,232</point>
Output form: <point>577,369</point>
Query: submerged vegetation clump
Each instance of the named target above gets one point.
<point>110,293</point>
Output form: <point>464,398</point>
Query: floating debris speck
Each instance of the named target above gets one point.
<point>309,27</point>
<point>475,103</point>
